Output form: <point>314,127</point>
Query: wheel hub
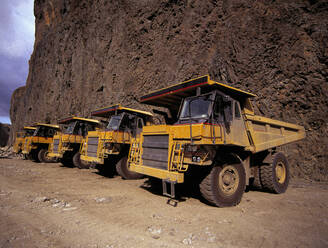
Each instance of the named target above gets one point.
<point>281,172</point>
<point>229,180</point>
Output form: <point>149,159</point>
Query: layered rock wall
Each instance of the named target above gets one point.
<point>89,54</point>
<point>4,134</point>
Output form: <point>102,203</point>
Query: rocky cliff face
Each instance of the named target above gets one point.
<point>89,54</point>
<point>4,134</point>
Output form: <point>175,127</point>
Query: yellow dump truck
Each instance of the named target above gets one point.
<point>213,129</point>
<point>66,145</point>
<point>20,137</point>
<point>111,146</point>
<point>36,146</point>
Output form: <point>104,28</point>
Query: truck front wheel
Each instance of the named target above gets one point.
<point>123,170</point>
<point>275,176</point>
<point>224,186</point>
<point>42,156</point>
<point>78,162</point>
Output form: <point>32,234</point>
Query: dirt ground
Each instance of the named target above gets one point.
<point>48,205</point>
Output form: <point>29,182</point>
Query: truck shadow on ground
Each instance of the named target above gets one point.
<point>183,191</point>
<point>105,171</point>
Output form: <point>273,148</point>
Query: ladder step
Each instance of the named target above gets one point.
<point>165,188</point>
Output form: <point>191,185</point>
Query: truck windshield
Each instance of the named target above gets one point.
<point>28,133</point>
<point>196,107</point>
<point>70,128</point>
<point>37,131</point>
<point>114,122</point>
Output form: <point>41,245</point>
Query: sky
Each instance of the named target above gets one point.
<point>17,30</point>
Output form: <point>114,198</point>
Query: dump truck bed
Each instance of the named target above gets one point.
<point>265,133</point>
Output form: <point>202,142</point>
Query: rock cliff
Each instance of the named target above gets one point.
<point>4,134</point>
<point>88,54</point>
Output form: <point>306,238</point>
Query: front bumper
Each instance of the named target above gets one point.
<point>55,155</point>
<point>173,176</point>
<point>92,159</point>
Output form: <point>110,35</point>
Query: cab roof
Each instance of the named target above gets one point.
<point>74,118</point>
<point>46,125</point>
<point>170,97</point>
<point>29,128</point>
<point>111,110</point>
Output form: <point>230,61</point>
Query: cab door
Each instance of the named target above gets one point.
<point>140,124</point>
<point>238,129</point>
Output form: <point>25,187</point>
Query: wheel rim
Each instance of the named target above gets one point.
<point>46,157</point>
<point>281,172</point>
<point>228,180</point>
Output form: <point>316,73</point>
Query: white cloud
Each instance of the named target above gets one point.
<point>16,46</point>
<point>17,30</point>
<point>5,119</point>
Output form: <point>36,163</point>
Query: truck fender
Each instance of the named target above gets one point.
<point>235,158</point>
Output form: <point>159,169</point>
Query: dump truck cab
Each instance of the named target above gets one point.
<point>111,145</point>
<point>212,126</point>
<point>36,146</point>
<point>66,145</point>
<point>20,137</point>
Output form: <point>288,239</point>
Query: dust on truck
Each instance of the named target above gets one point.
<point>214,130</point>
<point>20,137</point>
<point>36,147</point>
<point>66,145</point>
<point>111,145</point>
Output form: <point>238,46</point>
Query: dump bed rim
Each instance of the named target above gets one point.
<point>204,81</point>
<point>110,110</point>
<point>47,125</point>
<point>73,118</point>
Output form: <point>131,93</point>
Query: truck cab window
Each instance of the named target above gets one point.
<point>127,122</point>
<point>140,123</point>
<point>50,132</point>
<point>196,107</point>
<point>70,128</point>
<point>218,109</point>
<point>237,110</point>
<point>114,122</point>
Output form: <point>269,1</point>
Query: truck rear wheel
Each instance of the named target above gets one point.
<point>275,177</point>
<point>224,186</point>
<point>78,162</point>
<point>123,170</point>
<point>42,156</point>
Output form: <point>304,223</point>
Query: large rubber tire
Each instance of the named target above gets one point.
<point>77,162</point>
<point>35,156</point>
<point>42,156</point>
<point>275,177</point>
<point>224,185</point>
<point>123,170</point>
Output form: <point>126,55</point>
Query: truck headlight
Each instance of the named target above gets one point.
<point>196,159</point>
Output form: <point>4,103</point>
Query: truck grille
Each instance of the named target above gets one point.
<point>155,151</point>
<point>92,146</point>
<point>56,145</point>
